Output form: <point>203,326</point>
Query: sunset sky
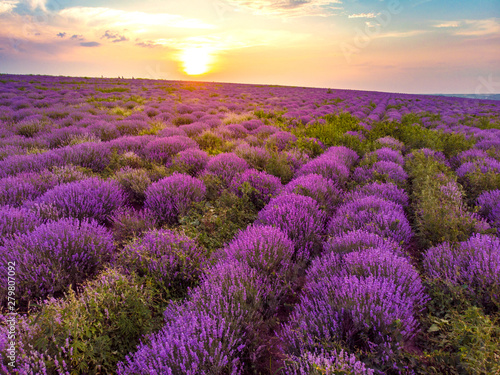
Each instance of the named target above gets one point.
<point>419,46</point>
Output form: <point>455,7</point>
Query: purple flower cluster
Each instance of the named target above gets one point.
<point>327,165</point>
<point>475,263</point>
<point>489,203</point>
<point>281,140</point>
<point>384,171</point>
<point>384,190</point>
<point>173,196</point>
<point>264,248</point>
<point>260,186</point>
<point>191,161</point>
<point>172,260</point>
<point>372,314</point>
<point>330,363</point>
<point>300,218</point>
<point>55,256</point>
<point>374,215</point>
<point>16,221</point>
<point>91,198</point>
<point>226,166</point>
<point>479,166</point>
<point>161,150</point>
<point>358,240</point>
<point>324,191</point>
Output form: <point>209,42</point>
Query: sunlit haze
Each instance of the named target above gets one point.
<point>420,46</point>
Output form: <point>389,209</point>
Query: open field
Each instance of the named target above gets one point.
<point>171,227</point>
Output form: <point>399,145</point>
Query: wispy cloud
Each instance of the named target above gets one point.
<point>77,37</point>
<point>401,34</point>
<point>363,15</point>
<point>35,4</point>
<point>7,6</point>
<point>115,18</point>
<point>114,37</point>
<point>448,24</point>
<point>90,44</point>
<point>288,8</point>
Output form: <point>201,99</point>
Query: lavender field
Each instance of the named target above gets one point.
<point>174,227</point>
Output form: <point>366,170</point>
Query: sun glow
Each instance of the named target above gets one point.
<point>196,60</point>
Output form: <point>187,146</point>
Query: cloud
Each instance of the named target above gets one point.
<point>77,37</point>
<point>478,27</point>
<point>114,37</point>
<point>401,34</point>
<point>90,44</point>
<point>34,4</point>
<point>115,18</point>
<point>363,15</point>
<point>7,6</point>
<point>148,44</point>
<point>448,24</point>
<point>61,35</point>
<point>287,8</point>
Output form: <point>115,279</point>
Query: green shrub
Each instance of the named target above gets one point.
<point>332,132</point>
<point>468,342</point>
<point>215,223</point>
<point>279,165</point>
<point>134,182</point>
<point>93,331</point>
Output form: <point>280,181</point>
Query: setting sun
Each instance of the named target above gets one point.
<point>196,60</point>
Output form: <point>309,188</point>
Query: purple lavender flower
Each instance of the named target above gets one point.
<point>374,215</point>
<point>329,167</point>
<point>386,154</point>
<point>371,262</point>
<point>191,161</point>
<point>16,221</point>
<point>191,342</point>
<point>162,149</point>
<point>475,262</point>
<point>260,186</point>
<point>226,166</point>
<point>55,256</point>
<point>264,248</point>
<point>172,260</point>
<point>322,190</point>
<point>281,140</point>
<point>489,202</point>
<point>300,218</point>
<point>173,196</point>
<point>384,171</point>
<point>385,190</point>
<point>367,313</point>
<point>479,165</point>
<point>91,198</point>
<point>329,363</point>
<point>357,240</point>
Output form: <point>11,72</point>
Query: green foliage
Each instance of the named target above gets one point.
<point>113,89</point>
<point>129,224</point>
<point>332,133</point>
<point>134,183</point>
<point>153,129</point>
<point>210,143</point>
<point>95,330</point>
<point>310,146</point>
<point>466,342</point>
<point>440,213</point>
<point>477,182</point>
<point>214,223</point>
<point>280,166</point>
